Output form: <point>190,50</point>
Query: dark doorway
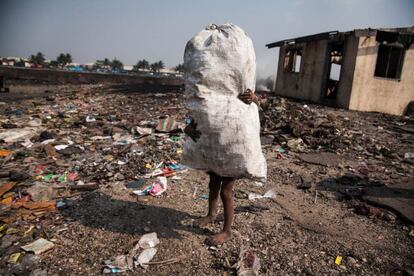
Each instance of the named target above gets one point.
<point>335,57</point>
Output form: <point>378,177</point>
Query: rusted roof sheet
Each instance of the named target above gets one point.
<point>332,34</point>
<point>302,39</point>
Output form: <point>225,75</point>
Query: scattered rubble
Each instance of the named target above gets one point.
<point>58,151</point>
<point>71,169</point>
<point>249,263</point>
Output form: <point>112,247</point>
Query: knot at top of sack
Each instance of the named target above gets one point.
<point>212,27</point>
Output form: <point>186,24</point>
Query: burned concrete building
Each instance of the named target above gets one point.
<point>366,70</point>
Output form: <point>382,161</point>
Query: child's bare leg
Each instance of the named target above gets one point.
<point>214,190</point>
<point>226,195</point>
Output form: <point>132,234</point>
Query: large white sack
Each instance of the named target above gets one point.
<point>220,64</point>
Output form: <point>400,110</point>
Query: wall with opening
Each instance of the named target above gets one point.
<point>345,71</point>
<point>301,70</point>
<point>381,84</point>
<point>305,75</point>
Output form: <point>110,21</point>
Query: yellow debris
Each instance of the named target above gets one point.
<point>4,152</point>
<point>12,231</point>
<point>14,258</point>
<point>3,227</point>
<point>338,260</point>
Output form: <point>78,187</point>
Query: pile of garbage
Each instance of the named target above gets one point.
<point>306,128</point>
<point>55,148</point>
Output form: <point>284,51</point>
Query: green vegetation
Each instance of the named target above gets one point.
<point>179,68</point>
<point>63,59</point>
<point>38,59</point>
<point>157,66</point>
<point>141,65</point>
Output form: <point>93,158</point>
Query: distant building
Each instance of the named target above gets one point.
<point>9,61</point>
<point>15,61</point>
<point>366,70</point>
<point>128,67</point>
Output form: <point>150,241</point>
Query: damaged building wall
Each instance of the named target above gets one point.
<point>307,83</point>
<point>371,93</point>
<point>310,83</point>
<point>347,72</point>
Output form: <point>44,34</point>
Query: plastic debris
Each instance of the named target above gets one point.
<point>248,264</point>
<point>168,125</point>
<point>205,196</point>
<point>7,200</point>
<point>156,189</point>
<point>39,246</point>
<point>123,139</point>
<point>118,264</point>
<point>3,227</point>
<point>268,194</point>
<point>143,131</point>
<point>61,147</point>
<point>146,256</point>
<point>49,177</point>
<point>34,123</point>
<point>5,187</point>
<point>411,233</point>
<point>90,119</point>
<point>41,192</point>
<point>280,149</point>
<point>17,134</point>
<point>4,152</point>
<point>149,240</point>
<point>296,145</point>
<point>409,155</point>
<point>110,269</point>
<point>14,258</point>
<point>159,187</point>
<point>338,260</point>
<point>71,149</point>
<point>12,230</point>
<point>72,176</point>
<point>122,263</point>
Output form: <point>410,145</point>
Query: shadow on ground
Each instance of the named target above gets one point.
<point>349,186</point>
<point>98,210</point>
<point>397,197</point>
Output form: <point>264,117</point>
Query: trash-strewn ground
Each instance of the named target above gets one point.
<point>344,183</point>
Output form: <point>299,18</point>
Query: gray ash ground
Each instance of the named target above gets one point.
<point>300,232</point>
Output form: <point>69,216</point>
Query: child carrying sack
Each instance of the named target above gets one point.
<point>220,64</point>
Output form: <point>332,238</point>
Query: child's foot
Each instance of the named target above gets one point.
<point>221,237</point>
<point>201,222</point>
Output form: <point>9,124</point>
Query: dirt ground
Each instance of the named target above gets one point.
<point>318,214</point>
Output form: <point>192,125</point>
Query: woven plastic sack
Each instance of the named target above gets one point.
<point>220,64</point>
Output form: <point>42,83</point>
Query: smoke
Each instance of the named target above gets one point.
<point>266,62</point>
<point>264,84</point>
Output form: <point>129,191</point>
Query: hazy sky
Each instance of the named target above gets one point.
<point>159,29</point>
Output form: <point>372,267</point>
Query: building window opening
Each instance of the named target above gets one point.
<point>335,72</point>
<point>293,60</point>
<point>390,61</point>
<point>335,66</point>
